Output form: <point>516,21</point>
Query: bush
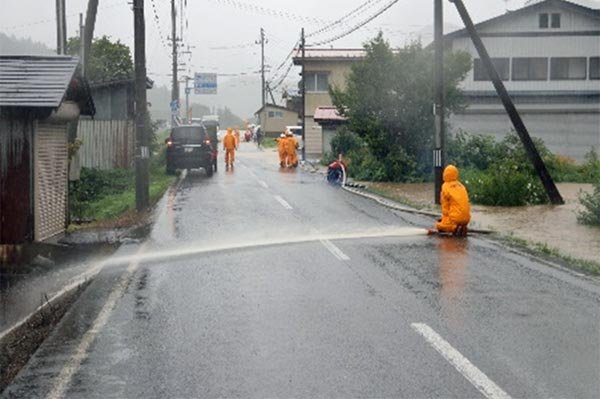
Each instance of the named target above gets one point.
<point>503,185</point>
<point>591,202</point>
<point>344,142</point>
<point>472,151</point>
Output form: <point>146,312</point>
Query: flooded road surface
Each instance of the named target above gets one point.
<point>260,282</point>
<point>553,226</point>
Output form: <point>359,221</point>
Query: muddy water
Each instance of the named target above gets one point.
<point>555,226</point>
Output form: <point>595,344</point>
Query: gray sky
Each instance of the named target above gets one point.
<point>235,24</point>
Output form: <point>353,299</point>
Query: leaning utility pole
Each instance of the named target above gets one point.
<point>142,159</point>
<point>439,151</point>
<point>61,28</point>
<point>303,93</point>
<point>175,88</point>
<point>511,110</point>
<point>90,24</point>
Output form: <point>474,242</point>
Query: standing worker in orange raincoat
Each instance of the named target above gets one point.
<point>229,145</point>
<point>237,138</point>
<point>456,209</point>
<point>291,145</point>
<point>281,149</point>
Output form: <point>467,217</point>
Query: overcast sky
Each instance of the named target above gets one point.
<point>222,32</point>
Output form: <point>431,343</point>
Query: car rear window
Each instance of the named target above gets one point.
<point>188,134</point>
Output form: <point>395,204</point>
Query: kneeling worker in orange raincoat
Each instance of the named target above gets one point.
<point>229,147</point>
<point>291,145</point>
<point>281,144</point>
<point>456,209</point>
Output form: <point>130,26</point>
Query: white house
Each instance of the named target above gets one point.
<point>548,55</point>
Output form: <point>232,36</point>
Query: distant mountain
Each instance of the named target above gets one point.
<point>12,45</point>
<point>240,95</point>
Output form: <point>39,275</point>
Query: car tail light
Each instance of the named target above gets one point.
<point>207,142</point>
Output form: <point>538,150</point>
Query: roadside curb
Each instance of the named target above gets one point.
<point>397,207</point>
<point>71,286</point>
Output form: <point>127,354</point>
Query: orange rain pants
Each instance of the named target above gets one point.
<point>290,148</point>
<point>229,147</point>
<point>281,149</point>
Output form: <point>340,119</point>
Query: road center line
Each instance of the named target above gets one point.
<point>262,183</point>
<point>63,381</point>
<point>283,202</point>
<point>334,250</point>
<point>479,380</point>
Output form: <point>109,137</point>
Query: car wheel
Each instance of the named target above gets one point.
<point>215,166</point>
<point>170,170</point>
<point>209,170</point>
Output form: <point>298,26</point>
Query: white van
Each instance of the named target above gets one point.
<point>297,132</point>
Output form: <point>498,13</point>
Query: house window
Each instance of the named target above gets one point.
<point>595,68</point>
<point>275,114</point>
<point>502,66</point>
<point>530,69</point>
<point>544,21</point>
<point>568,68</point>
<point>555,22</point>
<point>317,81</point>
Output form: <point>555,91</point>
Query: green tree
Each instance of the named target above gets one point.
<point>388,101</point>
<point>109,60</point>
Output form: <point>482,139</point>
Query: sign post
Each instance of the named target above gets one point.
<point>205,83</point>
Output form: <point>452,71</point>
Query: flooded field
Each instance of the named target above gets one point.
<point>554,226</point>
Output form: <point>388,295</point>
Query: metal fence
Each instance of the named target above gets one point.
<point>106,144</point>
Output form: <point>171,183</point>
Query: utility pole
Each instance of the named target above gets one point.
<point>81,45</point>
<point>439,151</point>
<point>61,28</point>
<point>90,23</point>
<point>142,159</point>
<point>303,93</point>
<point>262,66</point>
<point>509,106</point>
<point>271,93</point>
<point>187,98</point>
<point>175,88</point>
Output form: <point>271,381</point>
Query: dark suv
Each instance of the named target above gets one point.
<point>189,147</point>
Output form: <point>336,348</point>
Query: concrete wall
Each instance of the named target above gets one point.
<point>566,133</point>
<point>273,127</point>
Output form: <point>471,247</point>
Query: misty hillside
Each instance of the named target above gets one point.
<point>11,45</point>
<point>240,95</point>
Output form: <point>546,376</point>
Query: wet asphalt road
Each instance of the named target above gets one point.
<point>213,310</point>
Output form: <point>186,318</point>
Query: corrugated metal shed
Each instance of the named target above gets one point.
<point>35,81</point>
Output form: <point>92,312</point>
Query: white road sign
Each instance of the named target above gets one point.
<point>205,83</point>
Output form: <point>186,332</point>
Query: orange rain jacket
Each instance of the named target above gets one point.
<point>281,145</point>
<point>229,141</point>
<point>291,145</point>
<point>456,209</point>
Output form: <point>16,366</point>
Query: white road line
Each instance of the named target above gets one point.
<point>283,202</point>
<point>334,250</point>
<point>262,183</point>
<point>486,386</point>
<point>63,381</point>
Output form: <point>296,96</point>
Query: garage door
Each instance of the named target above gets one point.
<point>50,166</point>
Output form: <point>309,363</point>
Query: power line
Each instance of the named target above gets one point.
<point>367,4</point>
<point>49,20</point>
<point>269,11</point>
<point>356,27</point>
